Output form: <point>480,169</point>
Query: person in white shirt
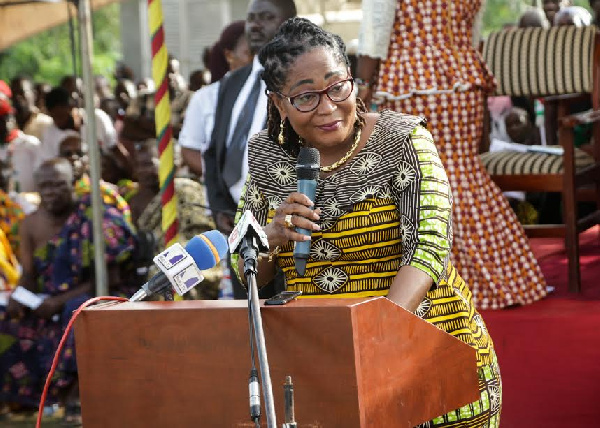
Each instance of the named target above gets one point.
<point>66,116</point>
<point>230,53</point>
<point>17,149</point>
<point>29,118</point>
<point>241,112</point>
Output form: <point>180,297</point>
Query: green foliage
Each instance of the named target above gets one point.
<point>46,57</point>
<point>501,12</point>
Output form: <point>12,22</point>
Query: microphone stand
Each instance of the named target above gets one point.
<point>249,253</point>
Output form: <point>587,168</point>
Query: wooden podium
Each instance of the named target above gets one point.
<point>354,363</point>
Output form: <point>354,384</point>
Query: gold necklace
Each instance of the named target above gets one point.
<point>344,159</point>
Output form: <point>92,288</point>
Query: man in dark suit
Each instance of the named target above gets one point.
<point>241,112</point>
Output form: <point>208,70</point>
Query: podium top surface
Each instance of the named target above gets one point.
<point>305,302</point>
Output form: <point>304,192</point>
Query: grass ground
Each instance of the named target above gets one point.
<point>29,420</point>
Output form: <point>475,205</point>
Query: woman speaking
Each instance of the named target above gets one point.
<point>382,222</point>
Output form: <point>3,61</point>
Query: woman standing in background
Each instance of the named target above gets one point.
<point>418,57</point>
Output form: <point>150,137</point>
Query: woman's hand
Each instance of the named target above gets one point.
<point>225,222</point>
<point>299,209</point>
<point>49,307</point>
<point>14,309</point>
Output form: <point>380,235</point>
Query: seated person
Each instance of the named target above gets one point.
<point>66,116</point>
<point>192,214</point>
<point>11,212</point>
<point>11,215</point>
<point>113,173</point>
<point>573,15</point>
<point>578,17</point>
<point>552,7</point>
<point>533,17</point>
<point>520,132</point>
<point>520,129</point>
<point>9,266</point>
<point>23,150</point>
<point>595,6</point>
<point>57,256</point>
<point>72,149</point>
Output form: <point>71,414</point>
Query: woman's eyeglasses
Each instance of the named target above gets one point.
<point>310,100</point>
<point>71,153</point>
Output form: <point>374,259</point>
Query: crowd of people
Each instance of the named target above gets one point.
<point>46,239</point>
<point>391,217</point>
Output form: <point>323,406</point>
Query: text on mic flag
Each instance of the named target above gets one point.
<point>179,267</point>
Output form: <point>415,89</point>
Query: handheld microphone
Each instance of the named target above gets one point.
<point>181,267</point>
<point>307,168</point>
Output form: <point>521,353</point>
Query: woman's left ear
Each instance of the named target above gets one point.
<point>278,101</point>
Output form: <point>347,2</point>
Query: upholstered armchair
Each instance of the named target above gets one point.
<point>561,65</point>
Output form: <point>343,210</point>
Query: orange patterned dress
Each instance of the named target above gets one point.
<point>431,69</point>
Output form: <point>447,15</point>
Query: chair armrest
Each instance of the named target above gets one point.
<point>573,120</point>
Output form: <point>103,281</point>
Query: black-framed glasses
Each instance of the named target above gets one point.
<point>310,100</point>
<point>71,153</point>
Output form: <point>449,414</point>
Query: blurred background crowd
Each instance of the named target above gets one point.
<point>44,160</point>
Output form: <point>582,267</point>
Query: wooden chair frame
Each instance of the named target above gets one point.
<point>571,182</point>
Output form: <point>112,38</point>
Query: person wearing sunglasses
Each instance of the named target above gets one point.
<point>381,218</point>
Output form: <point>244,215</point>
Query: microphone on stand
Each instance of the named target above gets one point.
<point>248,238</point>
<point>307,169</point>
<point>181,267</point>
<point>288,397</point>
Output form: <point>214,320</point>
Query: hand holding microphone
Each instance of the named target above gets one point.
<point>295,212</point>
<point>294,218</point>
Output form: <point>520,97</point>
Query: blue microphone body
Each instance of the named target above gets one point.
<point>307,168</point>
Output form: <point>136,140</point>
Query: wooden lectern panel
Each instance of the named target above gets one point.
<point>354,362</point>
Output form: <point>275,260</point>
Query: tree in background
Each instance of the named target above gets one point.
<point>501,12</point>
<point>46,57</point>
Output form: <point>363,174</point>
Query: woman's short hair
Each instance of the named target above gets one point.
<point>230,36</point>
<point>295,37</point>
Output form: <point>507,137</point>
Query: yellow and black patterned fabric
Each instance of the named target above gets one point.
<point>542,62</point>
<point>389,206</point>
<point>516,163</point>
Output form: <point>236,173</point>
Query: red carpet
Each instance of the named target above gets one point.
<point>549,352</point>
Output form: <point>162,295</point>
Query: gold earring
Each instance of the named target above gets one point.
<point>281,138</point>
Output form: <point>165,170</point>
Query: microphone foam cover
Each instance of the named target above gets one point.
<point>309,161</point>
<point>207,249</point>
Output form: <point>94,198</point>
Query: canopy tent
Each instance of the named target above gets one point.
<point>20,19</point>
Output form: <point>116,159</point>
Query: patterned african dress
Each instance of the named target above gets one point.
<point>430,68</point>
<point>110,196</point>
<point>127,188</point>
<point>9,266</point>
<point>27,345</point>
<point>11,215</point>
<point>389,207</point>
<point>193,219</point>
